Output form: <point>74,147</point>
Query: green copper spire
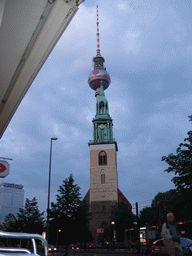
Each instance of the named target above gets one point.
<point>102,104</point>
<point>102,123</point>
<point>99,81</point>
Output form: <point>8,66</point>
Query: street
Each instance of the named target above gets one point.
<point>96,253</point>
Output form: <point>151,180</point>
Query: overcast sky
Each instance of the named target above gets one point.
<point>147,46</point>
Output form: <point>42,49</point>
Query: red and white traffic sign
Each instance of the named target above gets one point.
<point>4,169</point>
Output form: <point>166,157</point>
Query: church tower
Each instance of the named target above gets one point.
<point>103,193</point>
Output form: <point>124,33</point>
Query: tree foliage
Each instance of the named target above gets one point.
<point>123,218</point>
<point>163,203</point>
<point>81,227</point>
<point>29,219</point>
<point>175,200</point>
<point>166,202</point>
<point>181,164</point>
<point>9,223</point>
<point>148,216</point>
<point>68,199</point>
<point>69,214</point>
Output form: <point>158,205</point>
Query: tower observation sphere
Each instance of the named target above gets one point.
<point>99,74</point>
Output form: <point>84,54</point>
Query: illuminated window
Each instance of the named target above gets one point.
<point>102,158</point>
<point>102,178</point>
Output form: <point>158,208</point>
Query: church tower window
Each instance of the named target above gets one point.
<point>102,178</point>
<point>101,108</point>
<point>102,158</point>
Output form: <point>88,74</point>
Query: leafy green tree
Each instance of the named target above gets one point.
<point>181,164</point>
<point>166,202</point>
<point>81,224</point>
<point>169,201</point>
<point>10,223</point>
<point>63,212</point>
<point>163,203</point>
<point>68,199</point>
<point>29,219</point>
<point>148,216</point>
<point>123,218</point>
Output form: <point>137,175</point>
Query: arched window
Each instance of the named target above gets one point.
<point>102,178</point>
<point>102,158</point>
<point>101,108</point>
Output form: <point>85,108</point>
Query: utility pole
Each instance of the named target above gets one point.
<point>137,214</point>
<point>159,219</point>
<point>49,184</point>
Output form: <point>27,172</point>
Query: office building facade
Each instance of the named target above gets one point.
<point>11,199</point>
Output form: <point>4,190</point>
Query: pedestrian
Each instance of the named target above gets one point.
<point>171,235</point>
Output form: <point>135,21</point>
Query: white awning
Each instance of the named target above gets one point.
<point>28,32</point>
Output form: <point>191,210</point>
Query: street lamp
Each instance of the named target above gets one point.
<point>49,183</point>
<point>126,237</point>
<point>114,231</point>
<point>58,231</point>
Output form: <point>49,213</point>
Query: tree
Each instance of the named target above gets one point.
<point>123,218</point>
<point>148,216</point>
<point>63,212</point>
<point>68,199</point>
<point>81,224</point>
<point>29,219</point>
<point>163,203</point>
<point>9,223</point>
<point>166,202</point>
<point>181,164</point>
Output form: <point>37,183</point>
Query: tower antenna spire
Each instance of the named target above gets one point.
<point>99,74</point>
<point>98,41</point>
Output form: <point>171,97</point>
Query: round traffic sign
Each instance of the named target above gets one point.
<point>4,169</point>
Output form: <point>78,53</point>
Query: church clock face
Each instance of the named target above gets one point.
<point>102,126</point>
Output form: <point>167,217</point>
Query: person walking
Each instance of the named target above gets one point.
<point>171,236</point>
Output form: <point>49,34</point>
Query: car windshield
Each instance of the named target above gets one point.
<point>186,241</point>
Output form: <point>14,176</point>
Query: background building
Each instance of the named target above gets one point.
<point>11,199</point>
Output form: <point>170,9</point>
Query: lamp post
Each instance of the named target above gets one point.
<point>126,237</point>
<point>58,231</point>
<point>49,183</point>
<point>114,232</point>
